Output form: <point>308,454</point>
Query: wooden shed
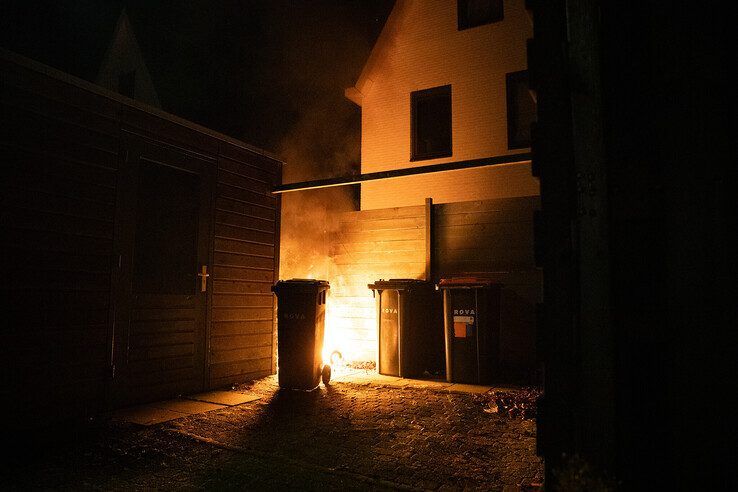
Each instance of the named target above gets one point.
<point>138,249</point>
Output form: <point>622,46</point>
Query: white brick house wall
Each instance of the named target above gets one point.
<point>421,48</point>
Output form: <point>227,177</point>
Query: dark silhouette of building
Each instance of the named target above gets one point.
<point>631,147</point>
<point>124,69</point>
<point>139,247</point>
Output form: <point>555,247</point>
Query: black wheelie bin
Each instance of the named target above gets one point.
<point>300,327</point>
<point>472,327</point>
<point>410,327</point>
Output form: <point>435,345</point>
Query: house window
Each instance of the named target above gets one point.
<point>521,110</point>
<point>127,84</point>
<point>431,123</point>
<point>473,13</point>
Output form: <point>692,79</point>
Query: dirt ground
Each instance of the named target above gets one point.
<point>343,437</point>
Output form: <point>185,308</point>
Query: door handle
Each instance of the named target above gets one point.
<point>203,278</point>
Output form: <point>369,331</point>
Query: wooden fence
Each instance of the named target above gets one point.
<point>367,246</point>
<point>491,239</point>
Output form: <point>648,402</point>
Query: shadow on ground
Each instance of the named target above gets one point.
<point>343,437</point>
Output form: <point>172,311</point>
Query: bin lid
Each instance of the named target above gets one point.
<point>396,283</point>
<point>467,283</point>
<point>298,284</point>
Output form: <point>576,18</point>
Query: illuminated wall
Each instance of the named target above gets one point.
<point>489,238</point>
<point>368,246</point>
<point>490,233</point>
<point>420,48</point>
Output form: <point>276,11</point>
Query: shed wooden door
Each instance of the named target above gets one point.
<point>165,235</point>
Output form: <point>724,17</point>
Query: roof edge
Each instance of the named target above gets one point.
<point>353,95</point>
<point>391,26</point>
<point>125,21</point>
<point>39,67</point>
<point>116,31</point>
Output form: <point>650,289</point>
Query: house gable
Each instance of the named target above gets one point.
<point>123,69</point>
<point>421,48</point>
<point>379,52</point>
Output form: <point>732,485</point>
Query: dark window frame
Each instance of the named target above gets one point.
<point>511,79</point>
<point>417,96</point>
<point>462,18</point>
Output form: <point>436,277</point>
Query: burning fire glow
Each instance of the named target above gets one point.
<point>347,329</point>
<point>337,347</point>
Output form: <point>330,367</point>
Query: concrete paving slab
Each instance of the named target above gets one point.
<point>392,381</point>
<point>374,379</point>
<point>353,378</point>
<point>467,388</point>
<point>146,415</point>
<point>426,384</point>
<point>378,378</point>
<point>344,374</point>
<point>397,383</point>
<point>187,407</point>
<point>229,398</point>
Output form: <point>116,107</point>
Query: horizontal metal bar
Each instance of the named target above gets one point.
<point>399,173</point>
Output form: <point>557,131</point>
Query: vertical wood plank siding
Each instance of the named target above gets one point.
<point>61,150</point>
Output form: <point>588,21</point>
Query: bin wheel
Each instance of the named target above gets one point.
<point>325,374</point>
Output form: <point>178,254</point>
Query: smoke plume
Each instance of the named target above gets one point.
<point>324,47</point>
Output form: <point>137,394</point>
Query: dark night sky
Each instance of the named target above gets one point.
<point>258,70</point>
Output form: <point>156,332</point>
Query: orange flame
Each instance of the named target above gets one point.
<point>343,333</point>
